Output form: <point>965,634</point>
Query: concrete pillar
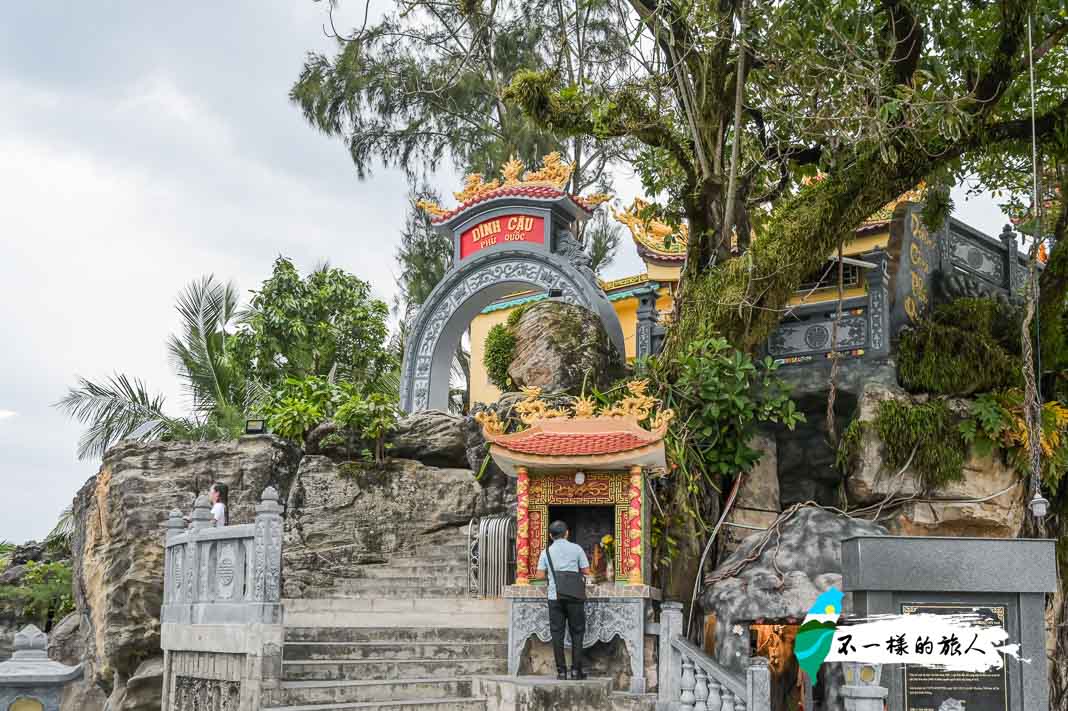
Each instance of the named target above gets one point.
<point>670,667</point>
<point>758,684</point>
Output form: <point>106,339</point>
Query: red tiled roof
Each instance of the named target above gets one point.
<point>571,444</point>
<point>531,191</point>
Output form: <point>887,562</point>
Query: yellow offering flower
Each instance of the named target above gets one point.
<point>607,540</point>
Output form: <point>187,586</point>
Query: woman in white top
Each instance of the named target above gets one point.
<point>220,494</point>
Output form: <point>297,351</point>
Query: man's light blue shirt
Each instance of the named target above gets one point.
<point>567,556</point>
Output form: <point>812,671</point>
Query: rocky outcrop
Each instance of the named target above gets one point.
<point>791,565</point>
<point>559,346</point>
<point>118,551</point>
<point>432,437</point>
<point>988,502</point>
<point>758,503</point>
<point>342,514</point>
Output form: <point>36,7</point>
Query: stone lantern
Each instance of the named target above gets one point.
<point>30,681</point>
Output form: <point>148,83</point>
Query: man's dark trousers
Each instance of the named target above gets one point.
<point>573,614</point>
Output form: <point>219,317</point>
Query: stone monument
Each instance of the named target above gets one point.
<point>30,681</point>
<point>1004,581</point>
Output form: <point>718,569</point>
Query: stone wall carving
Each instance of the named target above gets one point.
<point>195,694</point>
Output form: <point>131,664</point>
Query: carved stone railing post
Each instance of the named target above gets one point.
<point>689,681</point>
<point>670,667</point>
<point>267,544</point>
<point>201,519</point>
<point>1012,263</point>
<point>173,564</point>
<point>757,683</point>
<point>700,691</point>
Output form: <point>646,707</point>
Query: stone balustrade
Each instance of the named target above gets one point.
<point>690,680</point>
<point>224,575</point>
<point>222,609</point>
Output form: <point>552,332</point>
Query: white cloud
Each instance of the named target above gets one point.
<point>4,414</point>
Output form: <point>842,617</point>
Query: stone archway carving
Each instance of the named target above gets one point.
<point>470,287</point>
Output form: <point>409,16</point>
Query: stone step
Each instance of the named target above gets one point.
<point>296,651</point>
<point>399,588</point>
<point>363,691</point>
<point>411,569</point>
<point>395,635</point>
<point>395,612</point>
<point>471,704</point>
<point>389,669</point>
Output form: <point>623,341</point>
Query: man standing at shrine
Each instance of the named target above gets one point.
<point>565,565</point>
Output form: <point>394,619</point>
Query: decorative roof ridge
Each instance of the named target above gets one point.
<point>548,181</point>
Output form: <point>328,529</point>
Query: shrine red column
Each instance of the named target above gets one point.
<point>635,525</point>
<point>522,521</point>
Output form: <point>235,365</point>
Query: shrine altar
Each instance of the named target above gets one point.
<point>587,468</point>
<point>611,611</point>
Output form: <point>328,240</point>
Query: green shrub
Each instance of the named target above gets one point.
<point>42,596</point>
<point>499,354</point>
<point>719,395</point>
<point>932,431</point>
<point>371,418</point>
<point>965,347</point>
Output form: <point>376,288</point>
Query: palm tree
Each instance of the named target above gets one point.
<point>121,407</point>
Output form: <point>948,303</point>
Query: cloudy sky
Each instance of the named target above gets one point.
<point>141,146</point>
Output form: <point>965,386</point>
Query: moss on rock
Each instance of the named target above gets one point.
<point>966,346</point>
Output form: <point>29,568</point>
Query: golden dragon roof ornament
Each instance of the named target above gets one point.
<point>553,173</point>
<point>651,233</point>
<point>638,406</point>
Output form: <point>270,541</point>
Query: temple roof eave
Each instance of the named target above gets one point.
<point>651,456</point>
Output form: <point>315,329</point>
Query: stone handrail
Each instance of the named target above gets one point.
<point>691,680</point>
<point>226,575</point>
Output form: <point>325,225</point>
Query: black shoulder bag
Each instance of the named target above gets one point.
<point>569,584</point>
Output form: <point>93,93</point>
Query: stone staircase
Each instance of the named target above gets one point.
<point>398,636</point>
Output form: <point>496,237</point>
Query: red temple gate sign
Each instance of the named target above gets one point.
<point>502,230</point>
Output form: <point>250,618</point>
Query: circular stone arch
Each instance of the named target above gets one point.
<point>469,288</point>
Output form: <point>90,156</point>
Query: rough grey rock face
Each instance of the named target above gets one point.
<point>118,550</point>
<point>798,563</point>
<point>432,437</point>
<point>65,643</point>
<point>342,514</point>
<point>558,345</point>
<point>871,480</point>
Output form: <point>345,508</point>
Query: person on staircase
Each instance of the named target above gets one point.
<point>565,565</point>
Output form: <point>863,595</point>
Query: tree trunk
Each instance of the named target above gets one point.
<point>742,299</point>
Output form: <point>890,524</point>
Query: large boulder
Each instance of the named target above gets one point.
<point>118,539</point>
<point>432,437</point>
<point>343,514</point>
<point>997,489</point>
<point>776,576</point>
<point>758,503</point>
<point>559,346</point>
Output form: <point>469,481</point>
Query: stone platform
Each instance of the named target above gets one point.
<point>611,611</point>
<point>543,693</point>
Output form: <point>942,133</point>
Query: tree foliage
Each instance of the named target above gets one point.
<point>737,102</point>
<point>324,323</point>
<point>423,84</point>
<point>42,595</point>
<point>120,406</point>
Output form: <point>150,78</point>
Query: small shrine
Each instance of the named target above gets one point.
<point>588,467</point>
<point>30,681</point>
